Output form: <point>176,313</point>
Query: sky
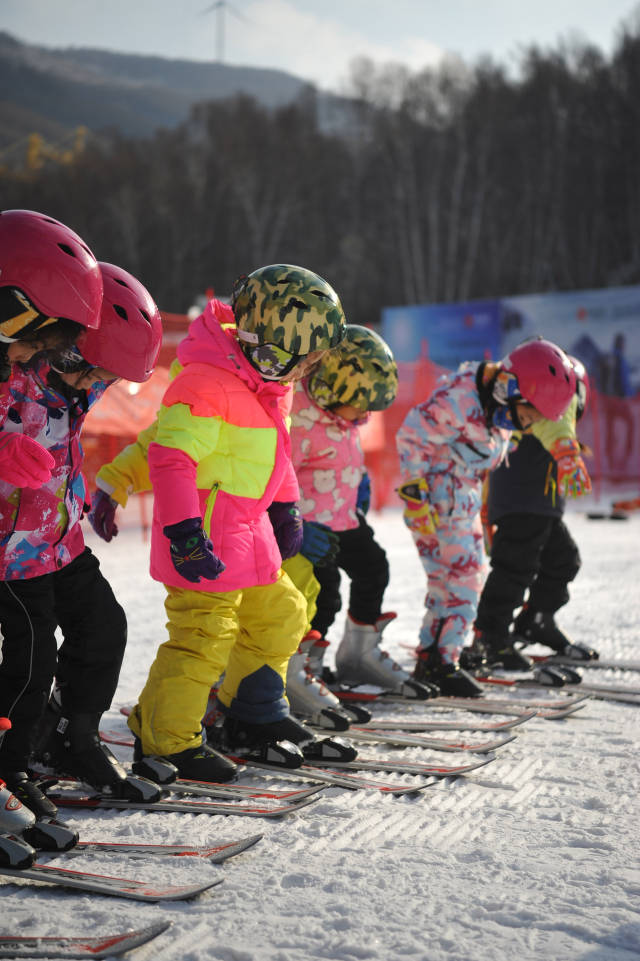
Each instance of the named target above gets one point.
<point>317,39</point>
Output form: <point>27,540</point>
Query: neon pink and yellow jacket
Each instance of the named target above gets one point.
<point>40,529</point>
<point>328,460</point>
<point>221,452</point>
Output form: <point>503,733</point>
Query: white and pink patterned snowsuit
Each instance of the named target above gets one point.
<point>446,440</point>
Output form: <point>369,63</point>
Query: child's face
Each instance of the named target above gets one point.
<point>21,351</point>
<point>528,415</point>
<point>347,412</point>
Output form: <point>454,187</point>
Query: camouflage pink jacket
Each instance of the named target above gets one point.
<point>446,440</point>
<point>328,460</point>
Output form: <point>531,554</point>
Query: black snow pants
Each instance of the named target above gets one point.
<point>530,552</point>
<point>364,561</point>
<point>78,600</point>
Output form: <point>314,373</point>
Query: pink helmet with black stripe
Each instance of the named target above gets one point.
<point>52,265</point>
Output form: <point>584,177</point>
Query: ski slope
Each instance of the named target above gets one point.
<point>536,856</point>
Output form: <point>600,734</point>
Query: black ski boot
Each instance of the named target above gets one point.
<point>151,766</point>
<point>203,763</point>
<point>579,652</point>
<point>474,658</point>
<point>47,834</point>
<point>290,731</point>
<point>241,741</point>
<point>29,793</point>
<point>499,650</point>
<point>556,675</point>
<point>16,853</point>
<point>71,746</point>
<point>450,679</point>
<point>356,714</point>
<point>549,676</point>
<point>539,627</point>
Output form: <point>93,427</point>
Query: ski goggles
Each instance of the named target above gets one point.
<point>19,316</point>
<point>271,361</point>
<point>506,393</point>
<point>70,361</point>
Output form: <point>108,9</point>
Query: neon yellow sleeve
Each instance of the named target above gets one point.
<point>128,472</point>
<point>549,431</point>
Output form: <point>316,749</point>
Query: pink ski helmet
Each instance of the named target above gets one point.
<point>545,375</point>
<point>130,334</point>
<point>51,265</point>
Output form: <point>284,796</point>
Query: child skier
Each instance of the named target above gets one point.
<point>50,290</point>
<point>446,446</point>
<point>48,577</point>
<point>531,547</point>
<point>225,514</point>
<point>328,408</point>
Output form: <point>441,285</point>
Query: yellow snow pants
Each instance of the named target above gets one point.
<point>248,635</point>
<point>300,570</point>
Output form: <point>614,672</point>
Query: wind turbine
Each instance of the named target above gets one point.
<point>221,7</point>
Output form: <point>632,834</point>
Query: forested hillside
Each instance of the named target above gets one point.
<point>436,186</point>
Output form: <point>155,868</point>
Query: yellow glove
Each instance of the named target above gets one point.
<point>573,477</point>
<point>488,529</point>
<point>419,513</point>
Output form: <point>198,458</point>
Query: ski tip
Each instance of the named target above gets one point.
<point>218,853</point>
<point>102,946</point>
<point>180,892</point>
<point>153,930</point>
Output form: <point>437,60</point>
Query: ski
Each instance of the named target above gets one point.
<point>214,853</point>
<point>601,663</point>
<point>402,739</point>
<point>358,734</point>
<point>107,884</point>
<point>340,778</point>
<point>459,724</point>
<point>211,789</point>
<point>550,710</point>
<point>406,767</point>
<point>238,791</point>
<point>61,946</point>
<point>604,692</point>
<point>171,805</point>
<point>526,681</point>
<point>466,703</point>
<point>357,696</point>
<point>628,695</point>
<point>329,778</point>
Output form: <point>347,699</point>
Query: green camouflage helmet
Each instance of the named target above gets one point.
<point>361,373</point>
<point>289,307</point>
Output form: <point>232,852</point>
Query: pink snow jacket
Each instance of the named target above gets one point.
<point>328,460</point>
<point>222,452</point>
<point>40,529</point>
<point>446,440</point>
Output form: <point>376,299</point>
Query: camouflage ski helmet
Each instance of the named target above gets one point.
<point>285,310</point>
<point>361,373</point>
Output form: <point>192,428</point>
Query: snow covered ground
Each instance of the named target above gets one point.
<point>536,856</point>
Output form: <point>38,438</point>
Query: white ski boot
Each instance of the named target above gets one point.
<point>361,660</point>
<point>308,697</point>
<point>355,712</point>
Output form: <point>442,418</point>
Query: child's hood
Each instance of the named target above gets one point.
<point>212,339</point>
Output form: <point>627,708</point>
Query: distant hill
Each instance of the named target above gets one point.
<point>54,91</point>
